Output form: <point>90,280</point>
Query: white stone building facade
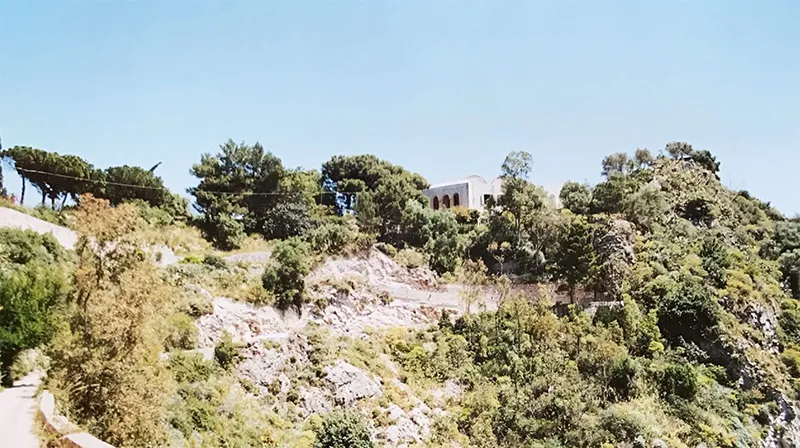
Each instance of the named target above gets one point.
<point>471,192</point>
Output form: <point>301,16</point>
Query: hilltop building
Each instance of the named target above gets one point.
<point>471,192</point>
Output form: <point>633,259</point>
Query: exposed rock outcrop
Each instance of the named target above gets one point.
<point>349,384</point>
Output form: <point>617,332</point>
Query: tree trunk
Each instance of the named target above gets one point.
<point>63,201</point>
<point>44,197</point>
<point>22,197</point>
<point>53,202</point>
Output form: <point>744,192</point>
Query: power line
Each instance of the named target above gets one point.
<point>145,187</point>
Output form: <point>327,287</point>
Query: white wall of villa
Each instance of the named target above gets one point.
<point>470,192</point>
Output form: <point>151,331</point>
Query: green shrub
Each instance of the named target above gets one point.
<point>215,261</point>
<point>31,297</point>
<point>622,378</point>
<point>192,259</point>
<point>410,258</point>
<point>689,315</point>
<point>181,332</point>
<point>24,246</point>
<point>622,425</point>
<point>387,249</point>
<point>197,305</point>
<point>226,352</point>
<point>226,232</point>
<point>342,429</point>
<point>789,320</point>
<point>190,367</point>
<point>285,275</point>
<point>791,359</point>
<point>678,380</point>
<point>332,237</point>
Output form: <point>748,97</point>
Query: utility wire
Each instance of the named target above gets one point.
<point>145,187</point>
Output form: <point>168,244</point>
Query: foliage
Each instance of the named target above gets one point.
<point>245,189</point>
<point>26,246</point>
<point>148,187</point>
<point>31,297</point>
<point>689,315</point>
<point>576,197</point>
<point>59,177</point>
<point>332,236</point>
<point>227,352</point>
<point>105,363</point>
<point>215,261</point>
<point>342,429</point>
<point>678,380</point>
<point>378,190</point>
<point>190,367</point>
<point>577,261</point>
<point>444,246</point>
<point>285,275</point>
<point>181,332</point>
<point>410,258</point>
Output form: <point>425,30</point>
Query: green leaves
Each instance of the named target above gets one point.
<point>31,296</point>
<point>285,275</point>
<point>377,190</point>
<point>59,177</point>
<point>342,429</point>
<point>245,189</point>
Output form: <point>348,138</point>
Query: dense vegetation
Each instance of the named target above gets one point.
<point>699,340</point>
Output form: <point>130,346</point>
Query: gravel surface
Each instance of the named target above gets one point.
<point>19,220</point>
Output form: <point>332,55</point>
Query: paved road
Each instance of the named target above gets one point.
<point>18,413</point>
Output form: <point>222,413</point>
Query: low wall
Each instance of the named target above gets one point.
<point>66,434</point>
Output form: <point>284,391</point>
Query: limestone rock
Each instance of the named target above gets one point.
<point>314,401</point>
<point>404,431</point>
<point>349,384</point>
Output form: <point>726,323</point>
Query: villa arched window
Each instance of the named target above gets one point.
<point>435,203</point>
<point>446,201</point>
<point>456,200</point>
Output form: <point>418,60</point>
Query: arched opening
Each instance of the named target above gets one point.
<point>446,201</point>
<point>435,203</point>
<point>456,200</point>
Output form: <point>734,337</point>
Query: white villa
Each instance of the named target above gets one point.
<point>471,192</point>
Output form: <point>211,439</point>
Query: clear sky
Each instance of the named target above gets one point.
<point>445,88</point>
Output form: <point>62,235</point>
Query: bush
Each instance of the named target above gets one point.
<point>24,246</point>
<point>622,378</point>
<point>789,320</point>
<point>791,359</point>
<point>387,249</point>
<point>622,425</point>
<point>188,367</point>
<point>332,237</point>
<point>678,380</point>
<point>284,277</point>
<point>225,232</point>
<point>31,297</point>
<point>410,258</point>
<point>192,259</point>
<point>342,429</point>
<point>689,315</point>
<point>181,332</point>
<point>226,352</point>
<point>196,304</point>
<point>215,261</point>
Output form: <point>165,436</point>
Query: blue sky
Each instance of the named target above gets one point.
<point>445,88</point>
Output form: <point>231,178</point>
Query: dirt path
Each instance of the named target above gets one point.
<point>18,413</point>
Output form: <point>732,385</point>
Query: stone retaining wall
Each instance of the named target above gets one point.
<point>67,434</point>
